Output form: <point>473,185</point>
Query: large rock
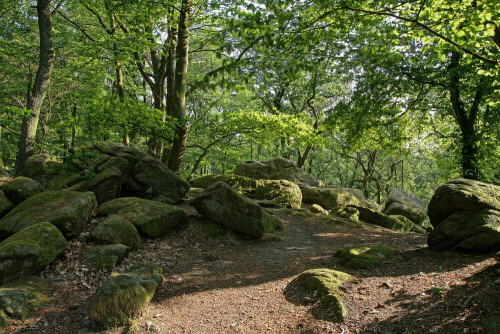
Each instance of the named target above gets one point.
<point>35,166</point>
<point>123,296</point>
<point>396,223</point>
<point>277,169</point>
<point>237,182</point>
<point>21,188</point>
<point>466,217</point>
<point>68,210</point>
<point>467,231</point>
<point>222,204</point>
<point>403,204</point>
<point>363,256</point>
<point>462,195</point>
<point>5,204</point>
<point>282,192</point>
<point>330,198</point>
<point>106,185</point>
<point>29,251</point>
<point>107,256</point>
<point>116,230</point>
<point>152,219</point>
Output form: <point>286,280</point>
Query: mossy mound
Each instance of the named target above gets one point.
<point>18,298</point>
<point>106,185</point>
<point>362,257</point>
<point>333,302</point>
<point>68,210</point>
<point>400,203</point>
<point>323,281</point>
<point>5,204</point>
<point>63,180</point>
<point>106,257</point>
<point>492,325</point>
<point>330,198</point>
<point>282,192</point>
<point>29,251</point>
<point>315,208</point>
<point>224,205</point>
<point>152,219</point>
<point>124,296</point>
<point>236,182</point>
<point>21,188</point>
<point>345,212</point>
<point>395,223</point>
<point>116,230</point>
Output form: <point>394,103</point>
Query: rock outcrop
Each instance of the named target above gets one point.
<point>396,223</point>
<point>403,204</point>
<point>281,192</point>
<point>224,205</point>
<point>330,198</point>
<point>277,169</point>
<point>466,217</point>
<point>21,188</point>
<point>363,256</point>
<point>116,230</point>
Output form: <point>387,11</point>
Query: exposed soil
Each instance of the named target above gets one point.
<point>235,285</point>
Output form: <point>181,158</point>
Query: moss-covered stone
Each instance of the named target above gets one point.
<point>362,257</point>
<point>21,188</point>
<point>63,180</point>
<point>124,296</point>
<point>29,251</point>
<point>400,203</point>
<point>323,281</point>
<point>115,162</point>
<point>395,223</point>
<point>152,219</point>
<point>116,230</point>
<point>237,182</point>
<point>106,185</point>
<point>276,169</point>
<point>195,191</point>
<point>316,208</point>
<point>330,198</point>
<point>333,302</point>
<point>5,204</point>
<point>68,210</point>
<point>272,223</point>
<point>345,212</point>
<point>36,166</point>
<point>467,231</point>
<point>282,192</point>
<point>106,257</point>
<point>224,205</point>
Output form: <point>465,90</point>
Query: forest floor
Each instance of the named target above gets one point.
<point>236,285</point>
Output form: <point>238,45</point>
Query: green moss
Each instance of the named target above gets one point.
<point>271,222</point>
<point>21,188</point>
<point>334,303</point>
<point>116,230</point>
<point>152,219</point>
<point>5,204</point>
<point>281,192</point>
<point>345,212</point>
<point>29,251</point>
<point>63,180</point>
<point>362,257</point>
<point>396,223</point>
<point>89,185</point>
<point>324,281</point>
<point>68,210</point>
<point>106,257</point>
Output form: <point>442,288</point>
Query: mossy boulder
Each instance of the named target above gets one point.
<point>224,205</point>
<point>467,231</point>
<point>152,219</point>
<point>363,256</point>
<point>21,188</point>
<point>395,223</point>
<point>68,210</point>
<point>18,298</point>
<point>123,296</point>
<point>400,203</point>
<point>333,302</point>
<point>107,256</point>
<point>106,185</point>
<point>345,212</point>
<point>462,195</point>
<point>281,192</point>
<point>5,204</point>
<point>195,191</point>
<point>330,198</point>
<point>115,162</point>
<point>29,251</point>
<point>315,208</point>
<point>323,281</point>
<point>277,169</point>
<point>116,230</point>
<point>237,182</point>
<point>36,166</point>
<point>63,180</point>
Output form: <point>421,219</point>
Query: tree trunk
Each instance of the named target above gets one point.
<point>37,92</point>
<point>181,68</point>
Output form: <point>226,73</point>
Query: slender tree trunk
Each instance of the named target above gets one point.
<point>181,68</point>
<point>39,89</point>
<point>73,128</point>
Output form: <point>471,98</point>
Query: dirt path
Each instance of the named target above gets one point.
<point>234,285</point>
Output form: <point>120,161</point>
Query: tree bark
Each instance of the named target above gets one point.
<point>38,91</point>
<point>181,68</point>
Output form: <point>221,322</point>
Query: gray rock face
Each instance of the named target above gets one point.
<point>222,204</point>
<point>68,210</point>
<point>466,217</point>
<point>152,219</point>
<point>106,185</point>
<point>407,205</point>
<point>21,188</point>
<point>29,251</point>
<point>330,198</point>
<point>277,169</point>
